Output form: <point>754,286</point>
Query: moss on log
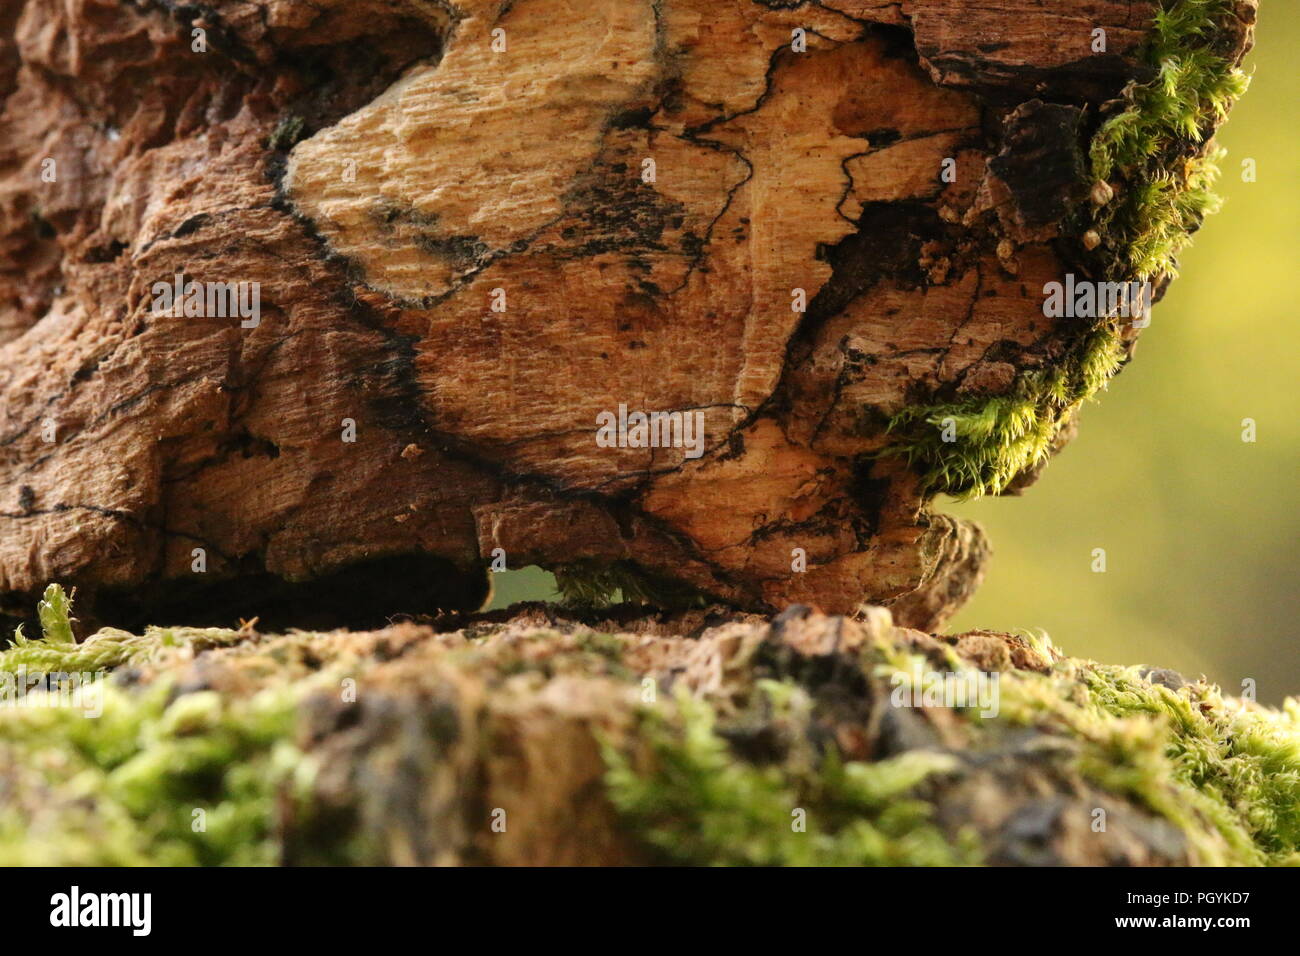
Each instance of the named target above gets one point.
<point>539,737</point>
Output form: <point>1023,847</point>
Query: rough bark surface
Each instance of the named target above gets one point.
<point>380,169</point>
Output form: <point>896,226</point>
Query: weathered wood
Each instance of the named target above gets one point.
<point>381,171</point>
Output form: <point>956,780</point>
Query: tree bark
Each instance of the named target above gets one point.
<point>464,257</point>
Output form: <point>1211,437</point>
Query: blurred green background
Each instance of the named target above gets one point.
<point>1200,529</point>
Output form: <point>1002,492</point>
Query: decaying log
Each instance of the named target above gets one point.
<point>477,227</point>
<point>534,737</point>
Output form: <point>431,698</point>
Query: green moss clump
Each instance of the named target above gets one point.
<point>147,778</point>
<point>994,440</point>
<point>767,753</point>
<point>1154,171</point>
<point>287,133</point>
<point>55,614</point>
<point>108,648</point>
<point>1153,153</point>
<point>194,780</point>
<point>597,584</point>
<point>1225,773</point>
<point>702,806</point>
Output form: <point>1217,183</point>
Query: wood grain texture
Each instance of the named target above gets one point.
<point>432,171</point>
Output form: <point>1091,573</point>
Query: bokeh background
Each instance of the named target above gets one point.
<point>1200,529</point>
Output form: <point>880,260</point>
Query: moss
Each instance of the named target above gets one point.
<point>991,441</point>
<point>700,805</point>
<point>122,789</point>
<point>287,133</point>
<point>1154,170</point>
<point>109,648</point>
<point>55,614</point>
<point>1154,152</point>
<point>1225,773</point>
<point>252,730</point>
<point>598,584</point>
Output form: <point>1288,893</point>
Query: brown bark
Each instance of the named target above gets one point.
<point>430,171</point>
